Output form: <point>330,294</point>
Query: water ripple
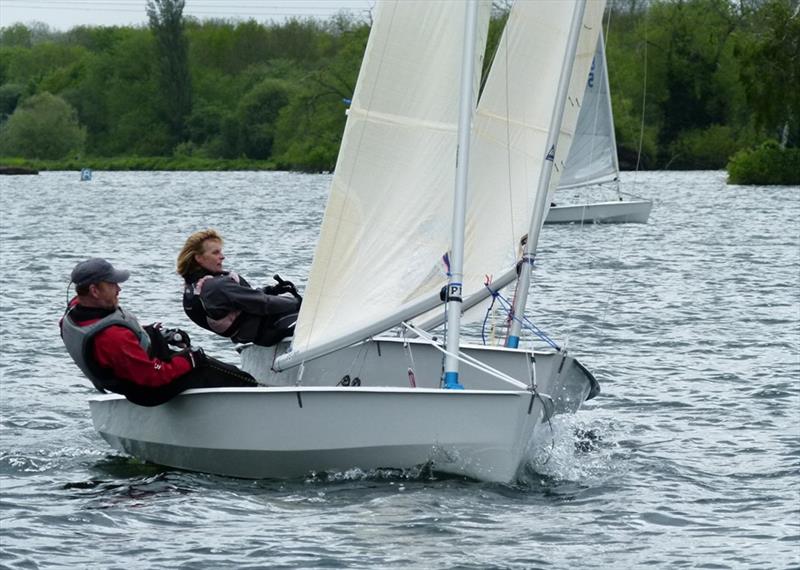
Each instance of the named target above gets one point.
<point>690,457</point>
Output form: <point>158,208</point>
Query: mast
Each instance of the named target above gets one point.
<point>542,193</point>
<point>456,274</point>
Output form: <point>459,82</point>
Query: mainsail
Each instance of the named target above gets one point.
<point>389,213</point>
<point>593,156</point>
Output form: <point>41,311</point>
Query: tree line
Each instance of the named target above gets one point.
<point>692,81</point>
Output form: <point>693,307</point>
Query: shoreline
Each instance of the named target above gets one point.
<point>137,163</point>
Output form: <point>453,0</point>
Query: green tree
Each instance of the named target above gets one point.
<point>258,113</point>
<point>770,55</point>
<point>677,59</point>
<point>17,35</point>
<point>627,53</point>
<point>117,97</point>
<point>131,100</point>
<point>167,25</point>
<point>688,40</point>
<point>309,129</point>
<point>42,126</point>
<point>35,64</point>
<point>21,35</point>
<point>10,94</point>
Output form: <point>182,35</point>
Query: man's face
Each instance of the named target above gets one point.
<point>106,294</point>
<point>212,257</point>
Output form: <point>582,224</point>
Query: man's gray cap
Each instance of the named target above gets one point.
<point>96,270</point>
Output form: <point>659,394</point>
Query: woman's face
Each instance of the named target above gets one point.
<point>212,257</point>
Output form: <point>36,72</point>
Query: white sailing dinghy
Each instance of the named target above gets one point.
<point>340,397</point>
<point>592,159</point>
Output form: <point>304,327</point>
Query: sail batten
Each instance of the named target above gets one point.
<point>402,120</point>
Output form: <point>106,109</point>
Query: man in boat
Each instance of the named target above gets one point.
<point>225,303</point>
<point>119,355</point>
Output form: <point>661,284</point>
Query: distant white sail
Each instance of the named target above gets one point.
<point>593,156</point>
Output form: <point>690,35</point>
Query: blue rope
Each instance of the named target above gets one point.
<point>495,294</point>
<point>525,321</point>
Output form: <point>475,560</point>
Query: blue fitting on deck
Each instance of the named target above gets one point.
<point>451,381</point>
<point>513,342</point>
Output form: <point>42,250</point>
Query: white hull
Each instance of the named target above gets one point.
<point>291,431</point>
<point>621,212</point>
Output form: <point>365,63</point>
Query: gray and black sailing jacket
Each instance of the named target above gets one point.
<point>226,304</point>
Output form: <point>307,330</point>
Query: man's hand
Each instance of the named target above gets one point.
<point>176,337</point>
<point>197,357</point>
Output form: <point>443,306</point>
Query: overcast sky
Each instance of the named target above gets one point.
<point>65,14</point>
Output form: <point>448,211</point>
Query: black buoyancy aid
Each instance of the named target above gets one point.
<point>193,306</point>
<point>225,326</point>
<point>79,339</point>
<point>239,326</point>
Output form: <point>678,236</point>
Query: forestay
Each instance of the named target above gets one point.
<point>593,155</point>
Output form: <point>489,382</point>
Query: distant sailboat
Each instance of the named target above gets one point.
<point>592,158</point>
<point>398,226</point>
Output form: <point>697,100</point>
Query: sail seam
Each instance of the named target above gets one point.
<point>502,119</point>
<point>401,120</point>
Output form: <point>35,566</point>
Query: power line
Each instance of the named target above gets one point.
<point>127,5</point>
<point>194,3</point>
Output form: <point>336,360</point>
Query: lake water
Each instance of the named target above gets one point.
<point>691,323</point>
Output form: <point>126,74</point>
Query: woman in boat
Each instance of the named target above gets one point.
<point>119,355</point>
<point>224,302</point>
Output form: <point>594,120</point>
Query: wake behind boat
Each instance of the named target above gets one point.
<point>402,241</point>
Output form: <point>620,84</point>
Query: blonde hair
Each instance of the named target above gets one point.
<point>194,246</point>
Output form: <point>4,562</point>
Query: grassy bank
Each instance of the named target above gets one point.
<point>139,163</point>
